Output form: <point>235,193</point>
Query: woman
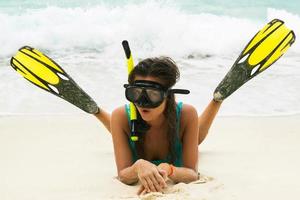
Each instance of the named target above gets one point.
<point>169,132</point>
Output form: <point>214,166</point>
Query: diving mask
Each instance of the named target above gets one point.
<point>149,94</point>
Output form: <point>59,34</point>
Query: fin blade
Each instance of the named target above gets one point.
<point>36,67</point>
<point>43,72</point>
<point>265,51</point>
<point>27,75</point>
<point>280,50</point>
<point>35,54</point>
<point>265,48</point>
<point>263,33</point>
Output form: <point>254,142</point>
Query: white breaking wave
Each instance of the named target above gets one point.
<point>155,29</point>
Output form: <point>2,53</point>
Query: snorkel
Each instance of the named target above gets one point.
<point>133,117</point>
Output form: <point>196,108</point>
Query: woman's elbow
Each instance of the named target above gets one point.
<point>125,179</point>
<point>193,176</point>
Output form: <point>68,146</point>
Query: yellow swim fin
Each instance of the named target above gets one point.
<point>45,73</point>
<point>265,48</point>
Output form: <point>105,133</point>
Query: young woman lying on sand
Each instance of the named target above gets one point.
<point>170,131</point>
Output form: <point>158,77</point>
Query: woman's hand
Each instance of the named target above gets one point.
<point>151,177</point>
<point>164,170</point>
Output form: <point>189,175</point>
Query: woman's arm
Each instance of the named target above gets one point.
<point>123,157</point>
<point>194,132</point>
<point>189,127</point>
<point>104,118</point>
<point>128,175</point>
<point>179,174</point>
<point>206,118</point>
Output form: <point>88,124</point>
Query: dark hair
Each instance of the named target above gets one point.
<point>165,69</point>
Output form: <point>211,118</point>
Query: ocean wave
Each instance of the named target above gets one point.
<point>165,30</point>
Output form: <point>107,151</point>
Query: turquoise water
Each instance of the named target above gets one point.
<point>242,8</point>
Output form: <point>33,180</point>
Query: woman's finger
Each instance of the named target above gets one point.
<point>160,179</point>
<point>150,184</point>
<point>144,182</point>
<point>144,192</point>
<point>156,183</point>
<point>164,174</point>
<point>141,189</point>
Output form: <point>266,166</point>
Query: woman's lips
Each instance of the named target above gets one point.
<point>145,111</point>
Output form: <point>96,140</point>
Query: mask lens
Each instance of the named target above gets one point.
<point>154,95</point>
<point>133,93</point>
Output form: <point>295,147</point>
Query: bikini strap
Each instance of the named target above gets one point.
<point>178,116</point>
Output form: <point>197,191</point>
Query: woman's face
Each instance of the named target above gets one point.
<point>150,114</point>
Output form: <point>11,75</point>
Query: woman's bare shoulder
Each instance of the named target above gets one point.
<point>188,111</point>
<point>119,111</point>
<point>188,116</point>
<point>119,116</point>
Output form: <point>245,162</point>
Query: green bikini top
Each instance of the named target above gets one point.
<point>178,145</point>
